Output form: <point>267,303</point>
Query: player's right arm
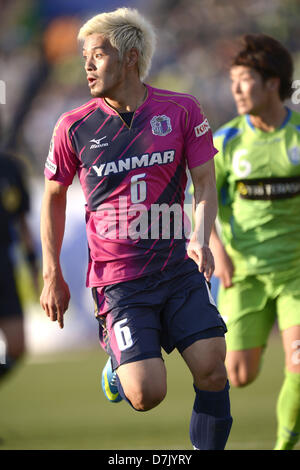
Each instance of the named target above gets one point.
<point>55,295</point>
<point>224,268</point>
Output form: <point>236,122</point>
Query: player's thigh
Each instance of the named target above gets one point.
<point>144,382</point>
<point>288,307</point>
<point>12,328</point>
<point>291,345</point>
<point>248,313</point>
<point>129,330</point>
<point>243,366</point>
<point>190,313</point>
<point>205,359</point>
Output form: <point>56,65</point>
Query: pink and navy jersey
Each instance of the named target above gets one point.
<point>131,176</point>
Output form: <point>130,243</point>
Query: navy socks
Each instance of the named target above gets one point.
<point>211,419</point>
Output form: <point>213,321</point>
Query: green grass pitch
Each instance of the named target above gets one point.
<point>55,402</point>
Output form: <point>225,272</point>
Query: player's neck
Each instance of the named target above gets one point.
<point>269,119</point>
<point>129,98</point>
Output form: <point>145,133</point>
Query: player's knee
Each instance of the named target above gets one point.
<point>16,353</point>
<point>11,356</point>
<point>145,398</point>
<point>243,366</point>
<point>217,380</point>
<point>12,340</point>
<point>212,379</point>
<point>241,376</point>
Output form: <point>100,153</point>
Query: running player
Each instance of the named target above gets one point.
<point>130,146</point>
<point>257,261</point>
<point>14,205</point>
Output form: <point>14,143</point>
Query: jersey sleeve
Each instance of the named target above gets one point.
<point>199,147</point>
<point>220,168</point>
<point>224,189</point>
<point>62,162</point>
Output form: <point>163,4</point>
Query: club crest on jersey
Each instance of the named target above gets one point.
<point>161,125</point>
<point>294,155</point>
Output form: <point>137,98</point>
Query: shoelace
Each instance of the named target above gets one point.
<point>113,381</point>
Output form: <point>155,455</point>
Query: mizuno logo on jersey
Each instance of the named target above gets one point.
<point>145,160</point>
<point>202,128</point>
<point>96,143</point>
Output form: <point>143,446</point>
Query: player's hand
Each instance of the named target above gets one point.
<point>55,299</point>
<point>224,267</point>
<point>203,257</point>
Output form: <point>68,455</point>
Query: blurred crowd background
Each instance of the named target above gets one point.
<point>41,64</point>
<point>42,69</point>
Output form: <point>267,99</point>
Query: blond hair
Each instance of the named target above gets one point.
<point>125,28</point>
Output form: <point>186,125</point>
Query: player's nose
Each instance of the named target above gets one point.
<point>236,88</point>
<point>89,65</point>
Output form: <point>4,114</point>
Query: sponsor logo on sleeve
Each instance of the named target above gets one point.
<point>50,165</point>
<point>202,128</point>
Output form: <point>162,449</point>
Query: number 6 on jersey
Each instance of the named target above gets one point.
<point>138,191</point>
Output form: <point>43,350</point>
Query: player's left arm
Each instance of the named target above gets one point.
<point>205,206</point>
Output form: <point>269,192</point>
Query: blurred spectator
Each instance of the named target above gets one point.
<point>40,65</point>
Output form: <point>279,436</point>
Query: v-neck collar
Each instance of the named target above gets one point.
<point>104,105</point>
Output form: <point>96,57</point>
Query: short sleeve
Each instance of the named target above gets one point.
<point>222,169</point>
<point>221,173</point>
<point>62,162</point>
<point>199,146</point>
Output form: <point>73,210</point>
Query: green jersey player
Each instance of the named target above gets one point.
<point>257,250</point>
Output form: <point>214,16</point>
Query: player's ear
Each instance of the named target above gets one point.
<point>273,83</point>
<point>132,57</point>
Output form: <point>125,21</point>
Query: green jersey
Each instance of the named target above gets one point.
<point>258,182</point>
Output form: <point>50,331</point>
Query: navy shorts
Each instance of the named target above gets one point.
<point>168,309</point>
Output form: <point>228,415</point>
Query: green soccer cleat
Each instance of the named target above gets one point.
<point>109,385</point>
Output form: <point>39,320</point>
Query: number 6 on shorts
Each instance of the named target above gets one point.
<point>123,335</point>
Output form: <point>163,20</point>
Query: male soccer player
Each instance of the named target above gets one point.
<point>14,204</point>
<point>130,146</point>
<point>258,259</point>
